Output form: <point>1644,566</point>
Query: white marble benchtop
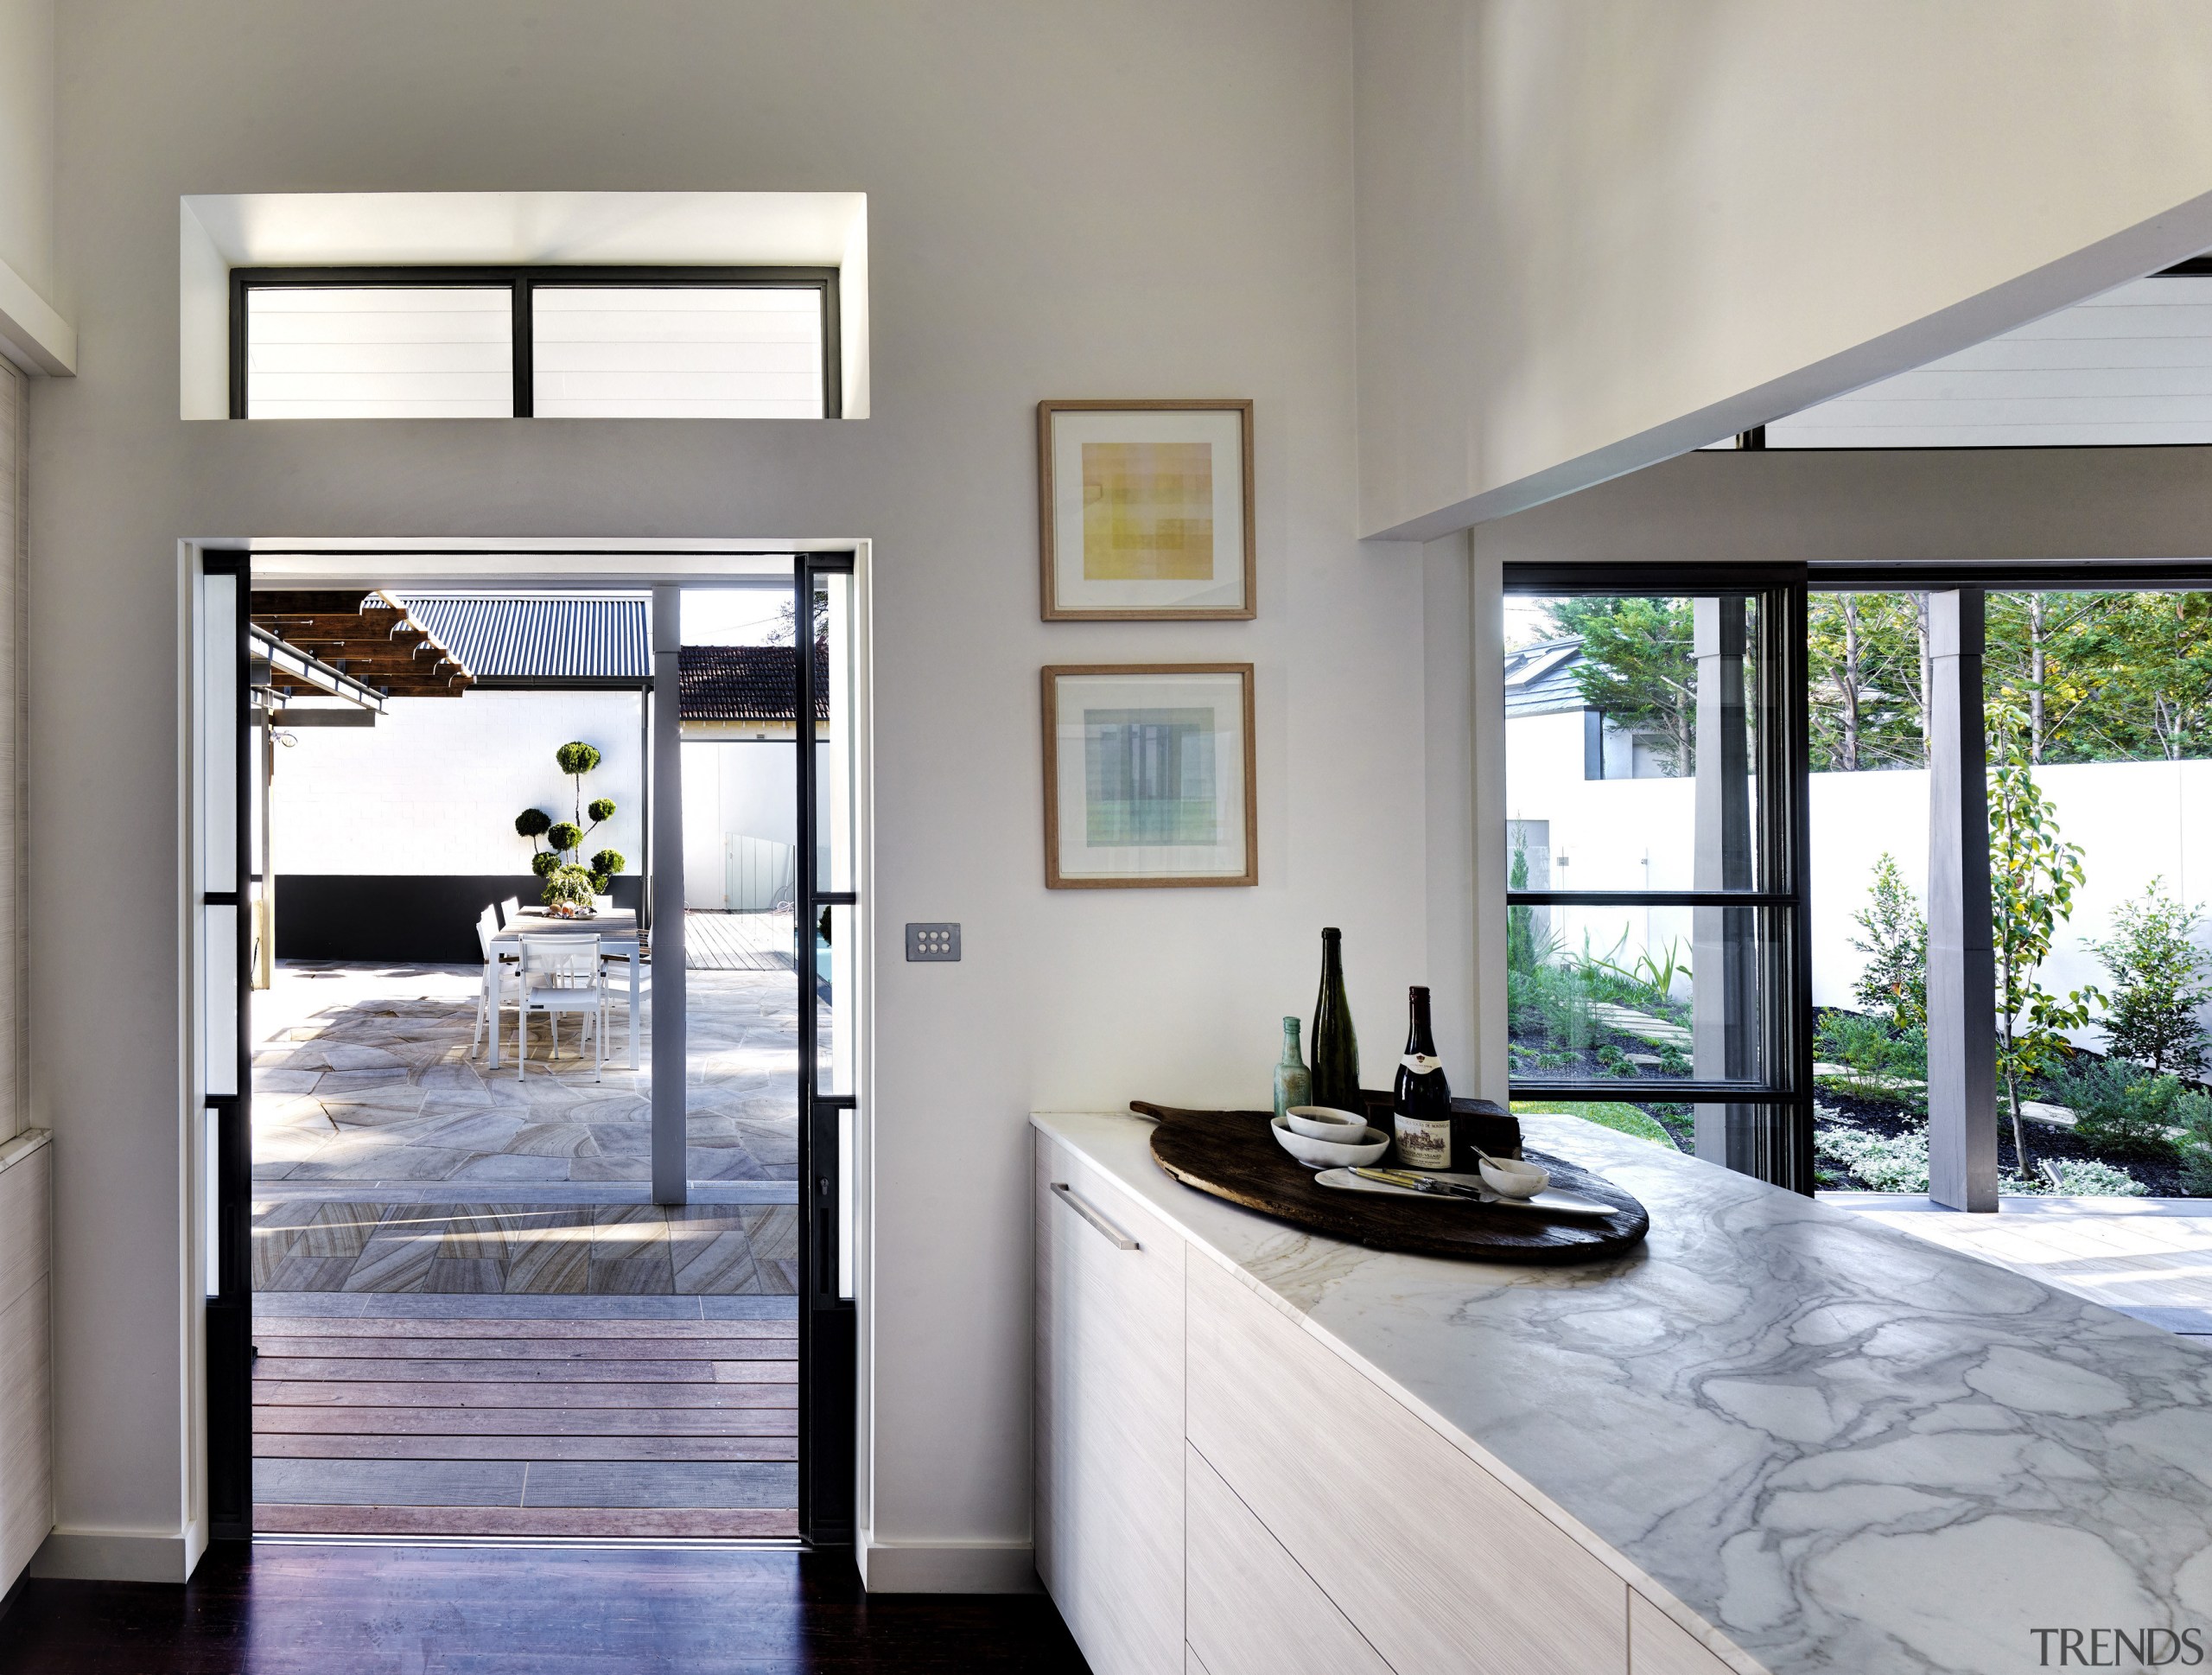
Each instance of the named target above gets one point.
<point>1844,1448</point>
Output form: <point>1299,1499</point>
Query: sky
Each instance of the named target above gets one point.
<point>732,616</point>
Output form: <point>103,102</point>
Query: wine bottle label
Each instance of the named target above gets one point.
<point>1422,1063</point>
<point>1424,1143</point>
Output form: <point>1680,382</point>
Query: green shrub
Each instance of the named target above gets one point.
<point>1880,1062</point>
<point>2193,1116</point>
<point>2120,1110</point>
<point>608,863</point>
<point>1884,1162</point>
<point>2159,980</point>
<point>600,809</point>
<point>564,836</point>
<point>544,863</point>
<point>533,823</point>
<point>576,758</point>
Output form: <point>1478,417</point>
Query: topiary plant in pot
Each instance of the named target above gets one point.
<point>563,839</point>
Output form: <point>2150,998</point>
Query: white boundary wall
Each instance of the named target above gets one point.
<point>435,785</point>
<point>2135,821</point>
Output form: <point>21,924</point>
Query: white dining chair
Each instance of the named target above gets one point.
<point>490,993</point>
<point>602,904</point>
<point>509,911</point>
<point>561,976</point>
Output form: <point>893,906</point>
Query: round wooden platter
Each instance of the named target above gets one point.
<point>1233,1155</point>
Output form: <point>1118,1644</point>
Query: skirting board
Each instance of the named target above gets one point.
<point>118,1555</point>
<point>946,1567</point>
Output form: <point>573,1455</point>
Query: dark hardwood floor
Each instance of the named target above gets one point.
<point>393,1610</point>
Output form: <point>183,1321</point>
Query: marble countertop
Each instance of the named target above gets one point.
<point>1842,1447</point>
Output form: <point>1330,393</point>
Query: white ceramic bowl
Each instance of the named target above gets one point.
<point>1509,1178</point>
<point>1326,1123</point>
<point>1330,1154</point>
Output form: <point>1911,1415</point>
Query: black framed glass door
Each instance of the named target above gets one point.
<point>1655,766</point>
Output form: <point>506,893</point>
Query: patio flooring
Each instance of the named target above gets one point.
<point>363,1078</point>
<point>646,1417</point>
<point>2151,1258</point>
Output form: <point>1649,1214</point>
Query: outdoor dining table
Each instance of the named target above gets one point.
<point>617,932</point>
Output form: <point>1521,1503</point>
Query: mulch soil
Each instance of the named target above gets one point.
<point>2160,1178</point>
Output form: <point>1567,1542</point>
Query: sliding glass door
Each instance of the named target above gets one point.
<point>1655,825</point>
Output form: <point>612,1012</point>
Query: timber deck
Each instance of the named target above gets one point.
<point>392,1424</point>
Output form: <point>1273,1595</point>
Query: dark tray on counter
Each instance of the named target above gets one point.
<point>1233,1155</point>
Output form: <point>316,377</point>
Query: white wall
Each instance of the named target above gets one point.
<point>1595,234</point>
<point>732,788</point>
<point>1130,197</point>
<point>27,141</point>
<point>435,785</point>
<point>2135,822</point>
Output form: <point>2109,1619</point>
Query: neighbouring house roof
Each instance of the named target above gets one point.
<point>748,683</point>
<point>1539,678</point>
<point>516,638</point>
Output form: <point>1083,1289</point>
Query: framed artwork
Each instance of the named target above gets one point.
<point>1145,510</point>
<point>1148,776</point>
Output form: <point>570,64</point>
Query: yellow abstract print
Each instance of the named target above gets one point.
<point>1147,511</point>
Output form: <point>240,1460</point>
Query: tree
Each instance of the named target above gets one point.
<point>1862,659</point>
<point>1895,982</point>
<point>1639,668</point>
<point>2150,658</point>
<point>2033,874</point>
<point>2159,981</point>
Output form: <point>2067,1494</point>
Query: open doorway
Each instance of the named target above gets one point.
<point>483,1301</point>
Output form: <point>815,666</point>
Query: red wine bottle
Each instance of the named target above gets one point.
<point>1336,1048</point>
<point>1421,1102</point>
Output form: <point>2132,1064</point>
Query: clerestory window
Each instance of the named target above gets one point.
<point>539,342</point>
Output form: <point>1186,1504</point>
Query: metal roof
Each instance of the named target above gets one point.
<point>1539,678</point>
<point>515,638</point>
<point>747,683</point>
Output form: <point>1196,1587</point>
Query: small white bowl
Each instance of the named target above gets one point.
<point>1325,1123</point>
<point>1330,1154</point>
<point>1509,1178</point>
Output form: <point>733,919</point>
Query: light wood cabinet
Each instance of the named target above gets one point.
<point>1219,1492</point>
<point>1109,1418</point>
<point>1252,1611</point>
<point>1657,1645</point>
<point>1437,1564</point>
<point>26,1400</point>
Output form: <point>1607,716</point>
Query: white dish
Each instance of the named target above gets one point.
<point>1338,1128</point>
<point>1558,1202</point>
<point>1511,1178</point>
<point>1331,1154</point>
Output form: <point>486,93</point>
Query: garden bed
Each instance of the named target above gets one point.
<point>2158,1178</point>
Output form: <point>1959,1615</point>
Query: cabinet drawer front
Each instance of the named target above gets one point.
<point>1252,1610</point>
<point>1657,1645</point>
<point>1109,1418</point>
<point>1440,1565</point>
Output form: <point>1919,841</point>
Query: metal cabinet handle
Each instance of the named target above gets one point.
<point>1121,1240</point>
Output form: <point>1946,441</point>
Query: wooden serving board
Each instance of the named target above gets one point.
<point>1233,1155</point>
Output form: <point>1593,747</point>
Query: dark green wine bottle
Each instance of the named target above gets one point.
<point>1336,1048</point>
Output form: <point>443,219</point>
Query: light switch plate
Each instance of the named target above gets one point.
<point>933,942</point>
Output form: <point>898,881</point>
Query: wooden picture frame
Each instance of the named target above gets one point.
<point>1171,468</point>
<point>1154,733</point>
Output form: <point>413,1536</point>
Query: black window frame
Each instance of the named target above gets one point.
<point>1781,1152</point>
<point>521,282</point>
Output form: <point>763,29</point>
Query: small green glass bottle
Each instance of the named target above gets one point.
<point>1336,1049</point>
<point>1294,1082</point>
